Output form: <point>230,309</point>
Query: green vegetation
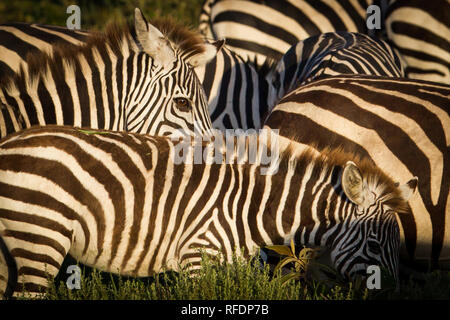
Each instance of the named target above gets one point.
<point>96,14</point>
<point>240,280</point>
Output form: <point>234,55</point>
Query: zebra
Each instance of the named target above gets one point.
<point>403,126</point>
<point>120,202</point>
<point>217,76</point>
<point>331,54</point>
<point>235,88</point>
<point>116,81</point>
<point>420,31</point>
<point>266,30</point>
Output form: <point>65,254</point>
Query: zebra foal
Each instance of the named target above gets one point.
<point>121,202</point>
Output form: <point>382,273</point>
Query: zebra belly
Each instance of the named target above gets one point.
<point>140,263</point>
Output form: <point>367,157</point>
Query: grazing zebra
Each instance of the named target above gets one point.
<point>403,125</point>
<point>260,30</point>
<point>330,54</point>
<point>122,203</point>
<point>116,81</point>
<point>420,30</point>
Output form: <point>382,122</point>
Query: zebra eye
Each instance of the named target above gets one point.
<point>183,104</point>
<point>374,246</point>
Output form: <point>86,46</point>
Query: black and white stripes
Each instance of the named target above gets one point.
<point>20,39</point>
<point>119,202</point>
<point>144,84</point>
<point>261,30</point>
<point>403,125</point>
<point>420,30</point>
<point>332,54</point>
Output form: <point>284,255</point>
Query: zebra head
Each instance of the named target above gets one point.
<point>370,234</point>
<point>173,86</point>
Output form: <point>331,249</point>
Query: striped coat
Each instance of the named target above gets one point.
<point>138,79</point>
<point>403,126</point>
<point>123,203</point>
<point>267,29</point>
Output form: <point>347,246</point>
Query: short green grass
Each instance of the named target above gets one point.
<point>240,280</point>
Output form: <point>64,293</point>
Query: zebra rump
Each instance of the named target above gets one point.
<point>266,30</point>
<point>420,31</point>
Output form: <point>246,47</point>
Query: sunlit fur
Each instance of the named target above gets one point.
<point>403,126</point>
<point>109,83</point>
<point>117,201</point>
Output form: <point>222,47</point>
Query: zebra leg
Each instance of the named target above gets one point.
<point>28,260</point>
<point>8,269</point>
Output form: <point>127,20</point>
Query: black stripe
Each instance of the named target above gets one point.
<point>255,47</point>
<point>97,86</point>
<point>63,91</point>
<point>13,43</point>
<point>48,106</point>
<point>35,239</point>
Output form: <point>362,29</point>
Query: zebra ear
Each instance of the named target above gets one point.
<point>408,189</point>
<point>352,183</point>
<point>207,55</point>
<point>152,40</point>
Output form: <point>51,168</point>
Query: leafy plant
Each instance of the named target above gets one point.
<point>300,261</point>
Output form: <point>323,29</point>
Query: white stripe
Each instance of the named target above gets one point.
<point>13,59</point>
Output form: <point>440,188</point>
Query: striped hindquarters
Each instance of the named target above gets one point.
<point>67,190</point>
<point>269,29</point>
<point>420,30</point>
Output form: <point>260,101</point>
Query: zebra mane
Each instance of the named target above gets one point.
<point>64,55</point>
<point>292,156</point>
<point>336,158</point>
<point>184,38</point>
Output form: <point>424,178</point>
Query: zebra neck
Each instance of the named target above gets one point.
<point>64,86</point>
<point>304,201</point>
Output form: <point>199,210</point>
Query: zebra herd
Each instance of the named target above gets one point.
<point>89,120</point>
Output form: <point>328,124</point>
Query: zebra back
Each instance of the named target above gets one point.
<point>332,54</point>
<point>403,126</point>
<point>261,30</point>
